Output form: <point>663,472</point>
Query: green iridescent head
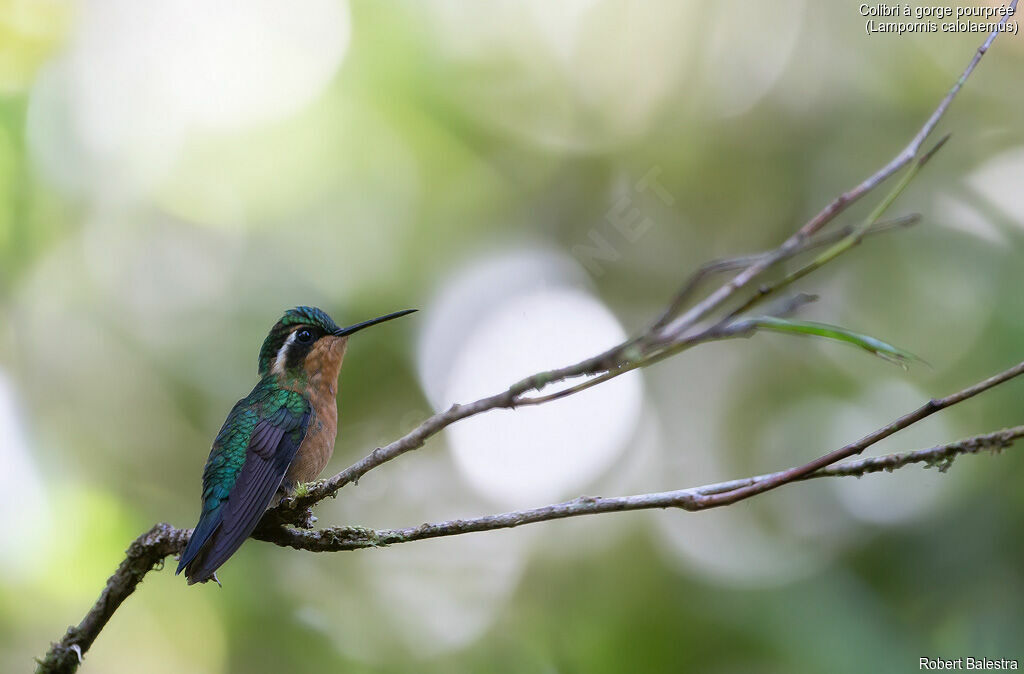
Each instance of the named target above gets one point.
<point>296,332</point>
<point>308,317</point>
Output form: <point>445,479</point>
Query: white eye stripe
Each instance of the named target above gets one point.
<point>282,353</point>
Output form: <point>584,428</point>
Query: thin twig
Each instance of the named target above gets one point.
<point>840,203</point>
<point>685,293</point>
<point>336,539</point>
<point>931,407</point>
<point>853,238</point>
<point>145,553</point>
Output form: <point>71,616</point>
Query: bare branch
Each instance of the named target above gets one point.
<point>685,293</point>
<point>852,238</point>
<point>335,539</point>
<point>145,553</point>
<point>926,410</point>
<point>840,203</point>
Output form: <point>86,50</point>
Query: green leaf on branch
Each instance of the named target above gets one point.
<point>879,348</point>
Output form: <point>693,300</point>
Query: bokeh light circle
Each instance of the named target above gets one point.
<point>532,455</point>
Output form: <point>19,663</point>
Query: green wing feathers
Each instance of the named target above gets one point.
<point>250,457</point>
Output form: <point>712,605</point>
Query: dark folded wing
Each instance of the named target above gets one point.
<point>272,447</point>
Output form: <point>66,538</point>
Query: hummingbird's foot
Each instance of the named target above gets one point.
<point>216,579</point>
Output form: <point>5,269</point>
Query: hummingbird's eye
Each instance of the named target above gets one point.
<point>304,336</point>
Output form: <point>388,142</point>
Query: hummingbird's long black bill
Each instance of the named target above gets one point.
<point>343,332</point>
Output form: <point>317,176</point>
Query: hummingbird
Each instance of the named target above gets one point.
<point>280,435</point>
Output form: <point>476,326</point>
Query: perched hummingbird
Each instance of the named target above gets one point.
<point>278,436</point>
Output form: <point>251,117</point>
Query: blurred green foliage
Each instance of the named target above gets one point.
<point>145,248</point>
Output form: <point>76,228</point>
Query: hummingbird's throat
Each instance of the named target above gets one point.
<point>318,374</point>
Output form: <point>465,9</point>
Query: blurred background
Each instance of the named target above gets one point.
<point>538,178</point>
